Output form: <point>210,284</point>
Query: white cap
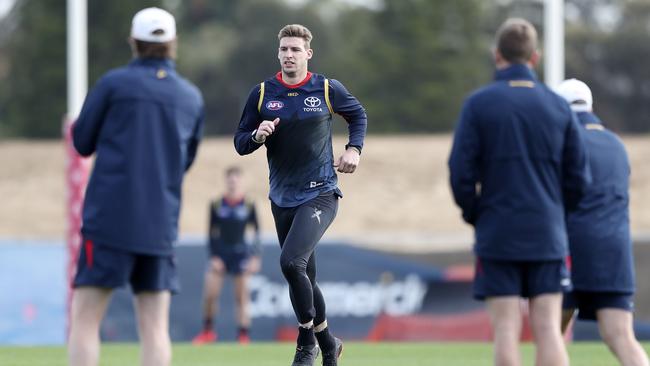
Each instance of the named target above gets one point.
<point>577,93</point>
<point>153,25</point>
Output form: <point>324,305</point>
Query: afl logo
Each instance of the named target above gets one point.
<point>274,105</point>
<point>312,102</point>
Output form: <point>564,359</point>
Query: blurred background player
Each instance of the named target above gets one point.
<point>518,161</point>
<point>602,265</point>
<point>291,114</point>
<point>230,253</point>
<point>143,122</point>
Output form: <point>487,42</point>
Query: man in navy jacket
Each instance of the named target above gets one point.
<point>518,162</point>
<point>602,265</point>
<point>291,114</point>
<point>143,122</point>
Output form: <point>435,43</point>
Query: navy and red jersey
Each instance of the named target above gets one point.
<point>143,122</point>
<point>599,229</point>
<point>518,161</point>
<point>228,222</point>
<point>299,152</point>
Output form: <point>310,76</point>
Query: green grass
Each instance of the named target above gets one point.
<point>280,354</point>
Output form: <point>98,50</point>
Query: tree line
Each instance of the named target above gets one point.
<point>410,62</point>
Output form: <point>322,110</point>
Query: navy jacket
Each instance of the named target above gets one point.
<point>299,152</point>
<point>599,230</point>
<point>144,122</point>
<point>518,159</point>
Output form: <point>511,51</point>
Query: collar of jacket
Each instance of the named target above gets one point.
<point>153,62</point>
<point>515,72</point>
<point>587,118</point>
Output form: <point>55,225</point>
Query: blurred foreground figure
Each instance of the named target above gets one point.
<point>143,122</point>
<point>518,161</point>
<point>602,265</point>
<point>291,114</point>
<point>230,254</point>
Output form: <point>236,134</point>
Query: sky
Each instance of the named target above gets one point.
<point>5,6</point>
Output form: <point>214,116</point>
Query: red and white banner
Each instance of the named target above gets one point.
<point>76,176</point>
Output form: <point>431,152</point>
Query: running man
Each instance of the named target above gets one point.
<point>230,253</point>
<point>143,122</point>
<point>602,264</point>
<point>291,114</point>
<point>518,161</point>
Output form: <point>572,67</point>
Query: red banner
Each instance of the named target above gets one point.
<point>76,176</point>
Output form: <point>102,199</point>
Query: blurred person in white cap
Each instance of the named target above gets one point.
<point>143,122</point>
<point>602,263</point>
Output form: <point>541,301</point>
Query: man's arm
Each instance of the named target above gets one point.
<point>346,105</point>
<point>85,131</point>
<point>248,124</point>
<point>575,165</point>
<point>252,220</point>
<point>195,140</point>
<point>463,165</point>
<point>213,227</point>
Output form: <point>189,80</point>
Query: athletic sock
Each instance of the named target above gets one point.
<point>306,335</point>
<point>325,340</point>
<point>207,324</point>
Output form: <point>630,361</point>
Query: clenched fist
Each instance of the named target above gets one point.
<point>265,130</point>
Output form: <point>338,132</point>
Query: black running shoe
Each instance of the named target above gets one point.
<point>305,356</point>
<point>331,358</point>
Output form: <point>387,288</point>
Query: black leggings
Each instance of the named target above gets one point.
<point>299,230</point>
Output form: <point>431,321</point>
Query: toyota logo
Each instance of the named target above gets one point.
<point>312,102</point>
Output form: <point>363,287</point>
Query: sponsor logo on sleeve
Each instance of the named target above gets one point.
<point>274,105</point>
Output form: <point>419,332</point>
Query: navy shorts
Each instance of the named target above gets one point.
<point>106,267</point>
<point>235,261</point>
<point>589,302</point>
<point>526,279</point>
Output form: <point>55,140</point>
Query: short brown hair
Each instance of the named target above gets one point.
<point>296,30</point>
<point>517,40</point>
<point>155,50</point>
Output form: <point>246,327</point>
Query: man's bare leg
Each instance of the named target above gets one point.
<point>152,309</point>
<point>545,319</point>
<point>616,329</point>
<point>88,308</point>
<point>505,315</point>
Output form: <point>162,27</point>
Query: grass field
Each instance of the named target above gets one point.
<point>279,354</point>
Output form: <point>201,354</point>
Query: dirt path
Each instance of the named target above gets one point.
<point>399,195</point>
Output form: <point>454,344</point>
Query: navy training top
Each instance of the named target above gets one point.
<point>599,229</point>
<point>299,152</point>
<point>518,160</point>
<point>144,122</point>
<point>228,222</point>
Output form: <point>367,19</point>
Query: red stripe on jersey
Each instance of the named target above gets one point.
<point>233,201</point>
<point>293,86</point>
<point>89,253</point>
<point>568,262</point>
